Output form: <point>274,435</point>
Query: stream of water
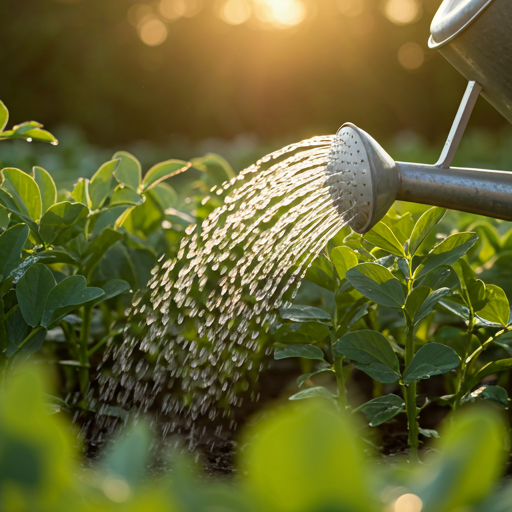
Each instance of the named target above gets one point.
<point>199,333</point>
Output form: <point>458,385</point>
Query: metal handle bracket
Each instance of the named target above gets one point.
<point>459,125</point>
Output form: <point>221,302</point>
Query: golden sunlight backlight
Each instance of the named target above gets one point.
<point>411,55</point>
<point>279,14</point>
<point>236,12</point>
<point>350,8</point>
<point>408,503</point>
<point>402,12</point>
<point>152,31</point>
<point>175,9</point>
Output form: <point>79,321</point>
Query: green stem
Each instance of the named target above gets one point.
<point>468,362</point>
<point>30,336</point>
<point>83,356</point>
<point>338,371</point>
<point>342,393</point>
<point>410,396</point>
<point>410,390</point>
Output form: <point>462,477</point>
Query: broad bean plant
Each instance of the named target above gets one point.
<point>69,260</point>
<point>291,462</point>
<point>405,303</point>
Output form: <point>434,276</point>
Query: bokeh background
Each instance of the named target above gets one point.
<point>241,77</point>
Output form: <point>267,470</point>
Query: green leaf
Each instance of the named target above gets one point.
<point>214,165</point>
<point>430,303</point>
<point>162,171</point>
<point>381,409</point>
<point>8,202</point>
<point>4,115</point>
<point>300,313</point>
<point>382,236</point>
<point>81,192</point>
<point>299,350</point>
<point>24,191</point>
<point>59,217</point>
<point>427,432</point>
<point>102,184</point>
<point>370,352</point>
<point>431,359</point>
<point>23,128</point>
<point>129,171</point>
<point>108,219</point>
<point>36,134</point>
<point>402,226</point>
<point>129,457</point>
<point>489,369</point>
<point>477,293</point>
<point>446,253</point>
<point>164,195</point>
<point>112,289</point>
<point>377,283</point>
<point>415,299</point>
<point>125,195</point>
<point>11,246</point>
<point>46,187</point>
<point>494,393</point>
<point>5,218</point>
<point>69,294</point>
<point>473,440</point>
<point>19,355</point>
<point>343,258</point>
<point>32,291</point>
<point>306,376</point>
<point>496,309</point>
<point>329,469</point>
<point>316,392</point>
<point>98,247</point>
<point>505,339</point>
<point>321,272</point>
<point>423,227</point>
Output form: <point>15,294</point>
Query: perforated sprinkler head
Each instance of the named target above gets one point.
<point>363,180</point>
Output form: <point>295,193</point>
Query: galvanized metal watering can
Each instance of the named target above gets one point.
<point>475,36</point>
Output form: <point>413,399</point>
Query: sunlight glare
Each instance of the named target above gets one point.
<point>408,503</point>
<point>402,12</point>
<point>281,13</point>
<point>411,55</point>
<point>235,12</point>
<point>175,9</point>
<point>152,31</point>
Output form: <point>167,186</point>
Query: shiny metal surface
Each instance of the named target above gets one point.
<point>467,190</point>
<point>369,177</point>
<point>372,170</point>
<point>481,48</point>
<point>452,17</point>
<point>459,125</point>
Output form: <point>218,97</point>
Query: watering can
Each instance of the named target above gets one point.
<point>475,36</point>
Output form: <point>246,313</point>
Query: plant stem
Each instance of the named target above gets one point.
<point>342,393</point>
<point>83,356</point>
<point>467,363</point>
<point>338,372</point>
<point>410,390</point>
<point>410,395</point>
<point>30,336</point>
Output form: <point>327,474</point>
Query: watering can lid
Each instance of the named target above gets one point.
<point>452,17</point>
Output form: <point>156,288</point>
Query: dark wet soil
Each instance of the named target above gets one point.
<point>275,385</point>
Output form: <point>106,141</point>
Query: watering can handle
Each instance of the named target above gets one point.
<point>459,125</point>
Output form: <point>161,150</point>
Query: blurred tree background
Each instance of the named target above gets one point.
<point>186,70</point>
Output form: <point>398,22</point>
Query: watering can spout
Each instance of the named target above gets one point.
<point>478,191</point>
